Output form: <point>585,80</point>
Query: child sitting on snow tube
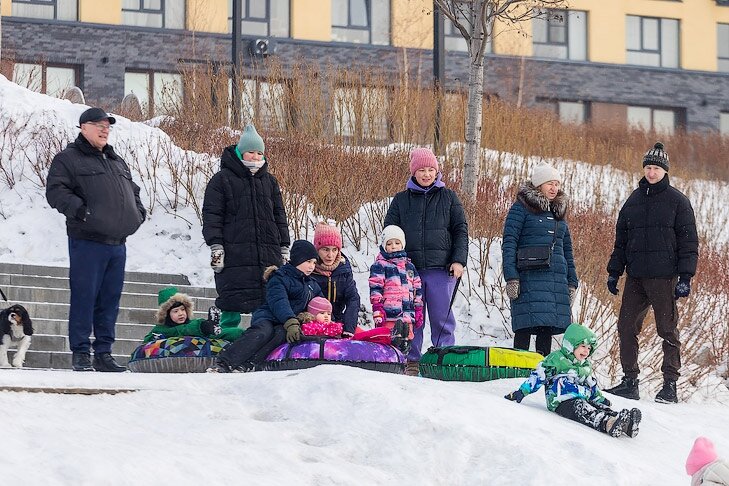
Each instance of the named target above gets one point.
<point>173,317</point>
<point>317,322</point>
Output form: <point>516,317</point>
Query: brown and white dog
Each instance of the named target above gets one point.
<point>15,330</point>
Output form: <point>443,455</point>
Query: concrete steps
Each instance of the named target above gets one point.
<point>44,291</point>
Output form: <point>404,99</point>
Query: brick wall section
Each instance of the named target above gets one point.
<point>105,52</point>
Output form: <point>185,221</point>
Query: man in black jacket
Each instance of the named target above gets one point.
<point>657,244</point>
<point>92,186</point>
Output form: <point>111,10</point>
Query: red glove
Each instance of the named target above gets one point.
<point>419,317</point>
<point>378,314</point>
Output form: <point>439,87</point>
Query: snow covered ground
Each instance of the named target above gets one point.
<point>325,426</point>
<point>330,425</point>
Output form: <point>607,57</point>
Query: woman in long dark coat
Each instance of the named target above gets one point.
<point>244,223</point>
<point>540,299</point>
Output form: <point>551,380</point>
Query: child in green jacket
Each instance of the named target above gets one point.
<point>571,389</point>
<point>173,316</point>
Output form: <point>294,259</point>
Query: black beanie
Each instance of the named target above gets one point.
<point>656,156</point>
<point>301,251</point>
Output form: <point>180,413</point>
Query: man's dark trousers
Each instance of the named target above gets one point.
<point>96,277</point>
<point>639,295</point>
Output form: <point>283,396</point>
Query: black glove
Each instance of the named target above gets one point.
<point>612,284</point>
<point>516,396</point>
<point>683,287</point>
<point>210,328</point>
<point>293,330</point>
<point>605,402</point>
<point>214,314</point>
<point>81,213</point>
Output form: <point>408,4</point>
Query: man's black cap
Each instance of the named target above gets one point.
<point>94,115</point>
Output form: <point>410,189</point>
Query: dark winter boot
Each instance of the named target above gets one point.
<point>631,429</point>
<point>616,425</point>
<point>627,388</point>
<point>400,332</point>
<point>81,361</point>
<point>105,362</point>
<point>667,393</point>
<point>220,366</point>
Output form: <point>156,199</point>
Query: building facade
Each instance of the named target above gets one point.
<point>656,64</point>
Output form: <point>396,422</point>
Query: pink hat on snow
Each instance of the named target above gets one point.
<point>420,158</point>
<point>319,304</point>
<point>702,453</point>
<point>327,235</point>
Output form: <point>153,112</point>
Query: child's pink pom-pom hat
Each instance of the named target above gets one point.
<point>702,453</point>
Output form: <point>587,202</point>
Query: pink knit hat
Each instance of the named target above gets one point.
<point>327,235</point>
<point>319,304</point>
<point>702,453</point>
<point>420,158</point>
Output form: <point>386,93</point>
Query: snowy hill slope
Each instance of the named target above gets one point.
<point>330,425</point>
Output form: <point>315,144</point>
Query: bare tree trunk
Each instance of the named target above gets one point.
<point>474,122</point>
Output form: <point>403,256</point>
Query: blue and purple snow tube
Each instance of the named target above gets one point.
<point>314,352</point>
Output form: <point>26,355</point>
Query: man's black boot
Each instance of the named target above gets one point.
<point>105,362</point>
<point>627,388</point>
<point>667,393</point>
<point>81,361</point>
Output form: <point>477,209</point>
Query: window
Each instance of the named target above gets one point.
<point>361,113</point>
<point>162,14</point>
<point>361,21</point>
<point>724,124</point>
<point>660,120</point>
<point>722,47</point>
<point>263,103</point>
<point>572,112</point>
<point>651,41</point>
<point>263,18</point>
<point>43,78</point>
<point>45,9</point>
<point>560,34</point>
<point>158,93</point>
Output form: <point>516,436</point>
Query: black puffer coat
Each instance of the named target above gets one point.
<point>435,226</point>
<point>655,236</point>
<point>244,213</point>
<point>94,189</point>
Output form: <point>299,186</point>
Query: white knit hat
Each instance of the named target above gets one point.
<point>544,172</point>
<point>392,232</point>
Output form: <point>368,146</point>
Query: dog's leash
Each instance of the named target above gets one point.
<point>3,294</point>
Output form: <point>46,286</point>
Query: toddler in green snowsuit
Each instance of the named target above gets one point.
<point>173,316</point>
<point>571,389</point>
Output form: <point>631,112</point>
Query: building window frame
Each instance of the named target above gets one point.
<point>275,23</point>
<point>360,110</point>
<point>654,114</point>
<point>573,38</point>
<point>376,17</point>
<point>44,66</point>
<point>149,104</point>
<point>265,102</point>
<point>722,47</point>
<point>68,10</point>
<point>170,14</point>
<point>652,47</point>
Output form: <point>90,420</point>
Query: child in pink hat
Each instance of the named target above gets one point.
<point>704,467</point>
<point>319,322</point>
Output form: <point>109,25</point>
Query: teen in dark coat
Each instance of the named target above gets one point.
<point>656,243</point>
<point>288,292</point>
<point>244,223</point>
<point>540,299</point>
<point>334,275</point>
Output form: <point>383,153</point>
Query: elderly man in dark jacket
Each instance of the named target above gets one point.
<point>657,244</point>
<point>92,186</point>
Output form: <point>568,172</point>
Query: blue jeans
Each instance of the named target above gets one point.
<point>96,278</point>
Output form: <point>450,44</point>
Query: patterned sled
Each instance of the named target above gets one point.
<point>473,363</point>
<point>183,354</point>
<point>317,351</point>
